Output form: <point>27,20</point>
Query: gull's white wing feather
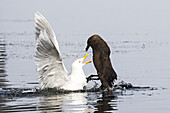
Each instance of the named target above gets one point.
<point>50,67</point>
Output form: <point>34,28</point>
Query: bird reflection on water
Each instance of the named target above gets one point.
<point>72,102</point>
<point>79,102</point>
<point>52,100</point>
<point>106,101</point>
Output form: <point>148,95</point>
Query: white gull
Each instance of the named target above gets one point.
<point>50,68</point>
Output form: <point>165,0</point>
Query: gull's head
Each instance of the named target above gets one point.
<point>79,63</point>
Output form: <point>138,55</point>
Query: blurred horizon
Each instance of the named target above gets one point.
<point>126,19</point>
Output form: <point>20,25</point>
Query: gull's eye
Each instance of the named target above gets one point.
<point>79,61</point>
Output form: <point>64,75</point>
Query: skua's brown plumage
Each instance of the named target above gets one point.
<point>102,62</point>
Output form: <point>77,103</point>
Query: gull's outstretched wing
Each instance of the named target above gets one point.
<point>50,67</point>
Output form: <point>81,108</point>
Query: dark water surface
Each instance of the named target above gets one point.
<point>138,39</point>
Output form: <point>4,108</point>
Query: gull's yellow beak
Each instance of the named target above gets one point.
<point>87,62</point>
<point>85,58</point>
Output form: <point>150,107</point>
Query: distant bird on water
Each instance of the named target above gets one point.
<point>102,62</point>
<point>50,67</point>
